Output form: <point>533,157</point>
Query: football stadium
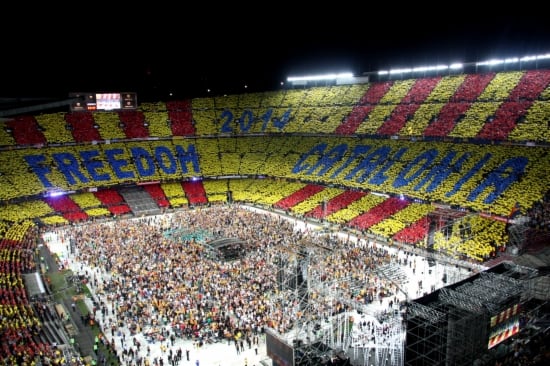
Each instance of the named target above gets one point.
<point>399,217</point>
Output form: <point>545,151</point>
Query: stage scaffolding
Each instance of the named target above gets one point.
<point>451,325</point>
<point>330,326</point>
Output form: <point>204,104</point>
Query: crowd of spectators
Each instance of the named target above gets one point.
<point>148,280</point>
<point>19,323</point>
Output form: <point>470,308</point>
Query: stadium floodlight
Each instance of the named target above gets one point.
<point>511,60</point>
<point>345,78</point>
<point>528,58</point>
<point>493,62</point>
<point>421,69</point>
<point>320,77</point>
<point>430,68</point>
<point>534,58</point>
<point>401,71</point>
<point>418,69</point>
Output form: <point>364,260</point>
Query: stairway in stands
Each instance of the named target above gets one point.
<point>140,202</point>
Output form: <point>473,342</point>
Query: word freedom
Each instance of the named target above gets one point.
<point>72,167</point>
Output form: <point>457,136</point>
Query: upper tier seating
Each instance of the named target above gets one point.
<point>345,140</point>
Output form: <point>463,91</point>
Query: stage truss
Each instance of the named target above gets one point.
<point>330,326</point>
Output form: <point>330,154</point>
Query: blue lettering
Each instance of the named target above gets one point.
<point>226,126</point>
<point>92,164</point>
<point>381,177</point>
<point>36,162</point>
<point>68,165</point>
<point>161,151</point>
<point>266,117</point>
<point>328,159</point>
<point>246,121</point>
<point>301,165</point>
<point>441,171</point>
<point>427,157</point>
<point>357,151</point>
<point>186,157</point>
<point>118,164</point>
<point>500,179</point>
<point>143,161</point>
<point>282,122</point>
<point>370,163</point>
<point>466,177</point>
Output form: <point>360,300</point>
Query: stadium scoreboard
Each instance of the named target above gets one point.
<point>103,101</point>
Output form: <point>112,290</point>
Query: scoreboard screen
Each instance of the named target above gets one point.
<point>103,101</point>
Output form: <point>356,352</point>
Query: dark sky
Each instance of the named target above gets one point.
<point>185,57</point>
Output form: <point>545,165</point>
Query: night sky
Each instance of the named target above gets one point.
<point>180,59</point>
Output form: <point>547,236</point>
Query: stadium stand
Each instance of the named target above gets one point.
<point>455,165</point>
